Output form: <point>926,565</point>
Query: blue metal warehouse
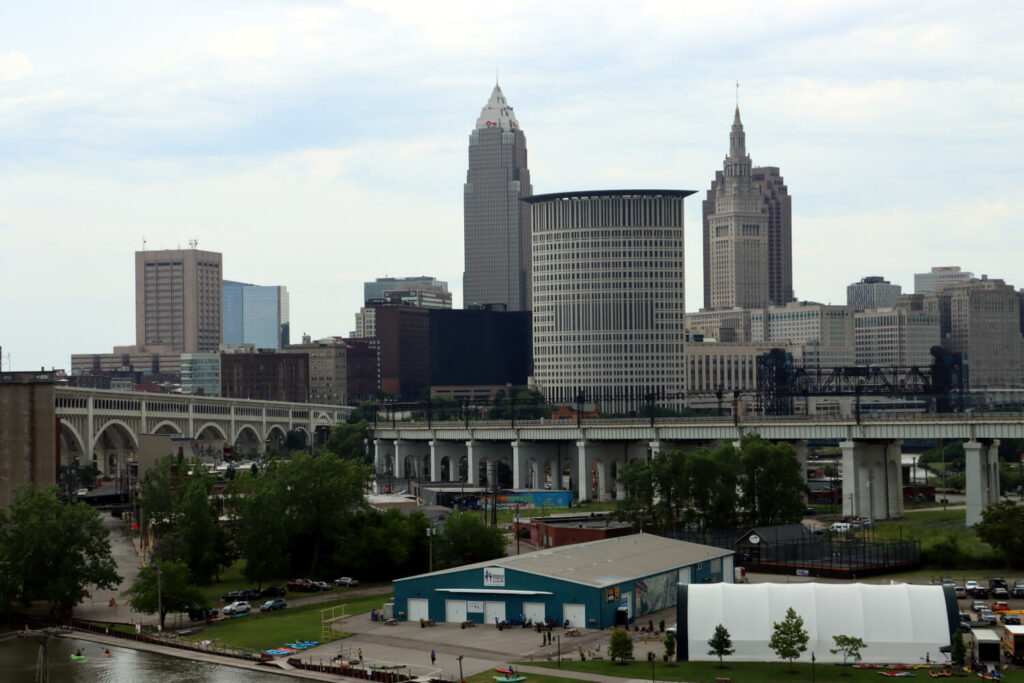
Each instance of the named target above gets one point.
<point>585,584</point>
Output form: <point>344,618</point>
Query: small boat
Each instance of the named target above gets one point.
<point>509,679</point>
<point>75,658</point>
<point>897,674</point>
<point>507,672</point>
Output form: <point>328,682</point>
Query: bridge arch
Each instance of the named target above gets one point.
<point>123,427</point>
<point>111,446</point>
<point>76,443</point>
<point>247,442</point>
<point>211,426</point>
<point>253,434</point>
<point>167,427</point>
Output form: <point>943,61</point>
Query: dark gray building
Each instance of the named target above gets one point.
<point>496,224</point>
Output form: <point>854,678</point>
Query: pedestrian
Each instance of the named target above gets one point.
<point>360,655</point>
<point>433,657</point>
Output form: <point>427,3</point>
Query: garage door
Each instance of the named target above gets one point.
<point>494,610</point>
<point>576,614</point>
<point>534,612</point>
<point>455,611</point>
<point>419,608</point>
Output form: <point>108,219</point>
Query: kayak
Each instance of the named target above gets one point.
<point>509,679</point>
<point>77,657</point>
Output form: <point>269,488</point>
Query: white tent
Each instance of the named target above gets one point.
<point>899,623</point>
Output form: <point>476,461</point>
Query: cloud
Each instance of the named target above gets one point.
<point>14,65</point>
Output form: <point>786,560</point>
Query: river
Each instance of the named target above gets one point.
<point>124,665</point>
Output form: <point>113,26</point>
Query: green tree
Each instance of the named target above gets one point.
<point>198,528</point>
<point>670,646</point>
<point>1002,527</point>
<point>712,480</point>
<point>620,646</point>
<point>959,651</point>
<point>258,526</point>
<point>349,442</point>
<point>53,551</point>
<point>789,639</point>
<point>671,486</point>
<point>466,539</point>
<point>720,643</point>
<point>638,502</point>
<point>165,587</point>
<point>849,647</point>
<point>774,487</point>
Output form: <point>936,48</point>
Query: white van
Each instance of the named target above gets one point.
<point>840,527</point>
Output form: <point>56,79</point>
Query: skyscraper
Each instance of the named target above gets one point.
<point>256,314</point>
<point>178,299</point>
<point>752,215</point>
<point>496,224</point>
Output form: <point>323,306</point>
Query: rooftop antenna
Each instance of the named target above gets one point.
<point>193,243</point>
<point>143,244</point>
<point>495,74</point>
<point>737,94</point>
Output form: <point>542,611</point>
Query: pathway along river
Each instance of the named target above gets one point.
<point>124,665</point>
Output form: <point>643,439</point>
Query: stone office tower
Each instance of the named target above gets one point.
<point>496,223</point>
<point>748,258</point>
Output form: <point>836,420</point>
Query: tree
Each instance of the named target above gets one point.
<point>789,639</point>
<point>465,539</point>
<point>712,485</point>
<point>638,502</point>
<point>165,587</point>
<point>959,651</point>
<point>720,644</point>
<point>258,526</point>
<point>849,647</point>
<point>1002,527</point>
<point>774,487</point>
<point>670,645</point>
<point>620,645</point>
<point>54,551</point>
<point>348,441</point>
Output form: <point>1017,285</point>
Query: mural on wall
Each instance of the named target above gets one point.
<point>655,592</point>
<point>612,594</point>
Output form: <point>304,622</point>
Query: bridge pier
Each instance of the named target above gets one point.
<point>484,452</point>
<point>872,479</point>
<point>439,450</point>
<point>982,477</point>
<point>525,453</point>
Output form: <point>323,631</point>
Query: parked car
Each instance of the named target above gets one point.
<point>671,629</point>
<point>197,613</point>
<point>987,616</point>
<point>996,583</point>
<point>273,592</point>
<point>839,527</point>
<point>273,605</point>
<point>322,586</point>
<point>1000,606</point>
<point>1000,593</point>
<point>960,591</point>
<point>809,511</point>
<point>245,594</point>
<point>970,585</point>
<point>346,581</point>
<point>978,605</point>
<point>1018,589</point>
<point>238,607</point>
<point>1010,619</point>
<point>301,585</point>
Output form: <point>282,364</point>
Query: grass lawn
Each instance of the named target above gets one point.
<point>266,630</point>
<point>508,516</point>
<point>232,579</point>
<point>737,672</point>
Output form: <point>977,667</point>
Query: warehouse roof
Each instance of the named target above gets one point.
<point>603,563</point>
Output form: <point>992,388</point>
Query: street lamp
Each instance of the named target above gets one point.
<point>812,668</point>
<point>463,680</point>
<point>558,657</point>
<point>430,540</point>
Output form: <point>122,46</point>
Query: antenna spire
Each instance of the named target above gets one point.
<point>737,95</point>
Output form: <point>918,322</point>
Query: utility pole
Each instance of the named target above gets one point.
<point>159,600</point>
<point>430,540</point>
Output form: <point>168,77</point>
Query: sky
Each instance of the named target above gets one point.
<point>321,145</point>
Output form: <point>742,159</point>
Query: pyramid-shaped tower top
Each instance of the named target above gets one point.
<point>497,112</point>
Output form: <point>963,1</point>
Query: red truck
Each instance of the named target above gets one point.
<point>301,585</point>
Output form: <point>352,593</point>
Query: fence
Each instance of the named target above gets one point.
<point>819,556</point>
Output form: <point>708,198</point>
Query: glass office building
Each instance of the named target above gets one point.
<point>255,314</point>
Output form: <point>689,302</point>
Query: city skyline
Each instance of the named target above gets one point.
<point>321,147</point>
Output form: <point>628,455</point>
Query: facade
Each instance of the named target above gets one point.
<point>423,291</point>
<point>341,371</point>
<point>748,233</point>
<point>985,327</point>
<point>479,347</point>
<point>892,336</point>
<point>722,366</point>
<point>404,336</point>
<point>496,223</point>
<point>587,585</point>
<point>30,455</point>
<point>938,277</point>
<point>558,530</point>
<point>178,300</point>
<point>723,326</point>
<point>200,374</point>
<point>154,359</point>
<point>872,292</point>
<point>256,314</point>
<point>265,376</point>
<point>816,334</point>
<point>609,301</point>
<point>378,288</point>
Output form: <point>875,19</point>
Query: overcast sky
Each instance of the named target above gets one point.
<point>320,145</point>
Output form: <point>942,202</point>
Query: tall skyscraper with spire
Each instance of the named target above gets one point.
<point>748,233</point>
<point>496,224</point>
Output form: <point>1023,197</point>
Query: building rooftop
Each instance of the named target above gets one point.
<point>605,193</point>
<point>497,113</point>
<point>603,563</point>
